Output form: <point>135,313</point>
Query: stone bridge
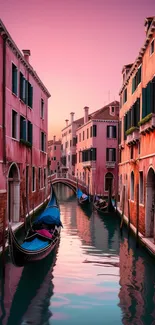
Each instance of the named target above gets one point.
<point>69,180</point>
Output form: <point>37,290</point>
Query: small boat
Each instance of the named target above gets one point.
<point>82,197</point>
<point>104,207</point>
<point>41,238</point>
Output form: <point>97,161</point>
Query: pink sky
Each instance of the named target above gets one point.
<point>78,48</point>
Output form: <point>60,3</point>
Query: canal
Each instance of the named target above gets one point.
<point>94,277</point>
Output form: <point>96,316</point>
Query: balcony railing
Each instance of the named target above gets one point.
<point>110,164</point>
<point>133,137</point>
<point>147,124</point>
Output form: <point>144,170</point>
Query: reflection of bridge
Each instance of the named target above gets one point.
<point>69,180</point>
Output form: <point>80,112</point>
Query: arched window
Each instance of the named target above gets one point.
<point>132,187</point>
<point>108,181</point>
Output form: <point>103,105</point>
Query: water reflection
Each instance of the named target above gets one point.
<point>95,277</point>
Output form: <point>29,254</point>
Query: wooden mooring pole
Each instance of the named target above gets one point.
<point>123,204</point>
<point>3,243</point>
<point>137,213</point>
<point>128,216</point>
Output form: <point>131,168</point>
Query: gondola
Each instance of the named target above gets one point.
<point>107,209</point>
<point>41,238</point>
<point>82,198</point>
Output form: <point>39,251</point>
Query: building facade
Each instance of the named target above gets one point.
<point>137,135</point>
<point>23,131</point>
<point>68,154</point>
<point>54,155</point>
<point>97,149</point>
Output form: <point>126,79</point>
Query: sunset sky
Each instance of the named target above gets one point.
<point>78,48</point>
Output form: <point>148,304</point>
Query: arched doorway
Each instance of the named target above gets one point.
<point>150,203</point>
<point>13,193</point>
<point>108,181</point>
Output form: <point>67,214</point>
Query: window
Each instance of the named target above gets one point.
<point>14,124</point>
<point>74,141</point>
<point>125,96</point>
<point>110,154</point>
<point>42,109</point>
<point>23,88</point>
<point>30,95</point>
<point>131,152</point>
<point>26,130</point>
<point>136,80</point>
<point>55,148</point>
<point>44,177</point>
<point>108,181</point>
<point>43,142</point>
<point>54,158</point>
<point>87,133</point>
<point>39,177</point>
<point>111,131</point>
<point>141,190</point>
<point>83,135</point>
<point>91,131</point>
<point>120,132</point>
<point>113,109</point>
<point>70,143</point>
<point>152,47</point>
<point>80,137</point>
<point>94,130</point>
<point>14,79</point>
<point>33,179</point>
<point>27,180</point>
<point>132,187</point>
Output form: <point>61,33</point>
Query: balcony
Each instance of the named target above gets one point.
<point>132,136</point>
<point>110,164</point>
<point>89,164</point>
<point>147,124</point>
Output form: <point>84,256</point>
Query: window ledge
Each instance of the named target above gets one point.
<point>15,139</point>
<point>14,94</point>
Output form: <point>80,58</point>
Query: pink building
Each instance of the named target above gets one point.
<point>54,155</point>
<point>69,144</point>
<point>23,131</point>
<point>97,149</point>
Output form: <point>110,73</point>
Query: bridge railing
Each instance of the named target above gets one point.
<point>68,176</point>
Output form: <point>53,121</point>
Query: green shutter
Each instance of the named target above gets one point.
<point>21,86</point>
<point>14,79</point>
<point>148,98</point>
<point>30,132</point>
<point>144,108</point>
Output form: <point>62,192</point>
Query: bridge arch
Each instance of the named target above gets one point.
<point>69,180</point>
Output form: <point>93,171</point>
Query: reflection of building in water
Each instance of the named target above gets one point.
<point>132,296</point>
<point>8,286</point>
<point>63,192</point>
<point>83,226</point>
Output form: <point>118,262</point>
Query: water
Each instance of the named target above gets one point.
<point>94,277</point>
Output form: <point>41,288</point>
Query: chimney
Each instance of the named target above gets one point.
<point>72,117</point>
<point>26,54</point>
<point>54,138</point>
<point>66,122</point>
<point>86,109</point>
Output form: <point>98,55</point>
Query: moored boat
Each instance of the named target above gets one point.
<point>41,238</point>
<point>104,207</point>
<point>82,197</point>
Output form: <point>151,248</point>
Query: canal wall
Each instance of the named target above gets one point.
<point>148,243</point>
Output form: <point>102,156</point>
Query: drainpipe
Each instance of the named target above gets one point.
<point>4,99</point>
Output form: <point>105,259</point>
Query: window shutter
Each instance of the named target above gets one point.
<point>21,86</point>
<point>114,131</point>
<point>114,154</point>
<point>91,131</point>
<point>138,112</point>
<point>30,132</point>
<point>148,98</point>
<point>26,92</point>
<point>107,131</point>
<point>24,130</point>
<point>144,109</point>
<point>107,154</point>
<point>94,131</point>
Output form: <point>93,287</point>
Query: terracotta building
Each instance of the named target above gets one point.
<point>137,134</point>
<point>97,149</point>
<point>54,155</point>
<point>23,130</point>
